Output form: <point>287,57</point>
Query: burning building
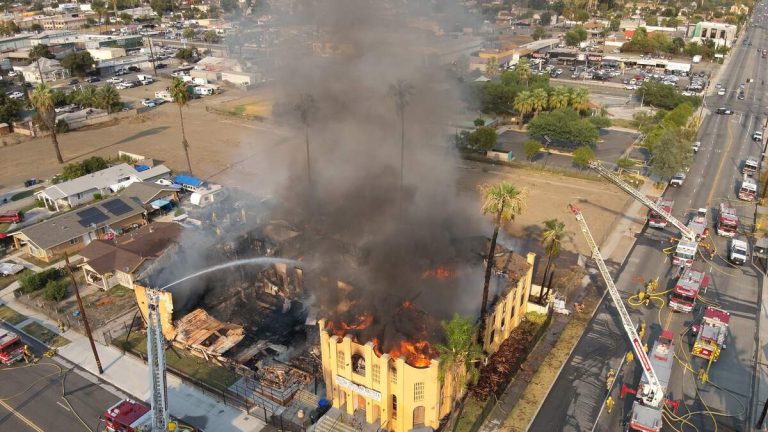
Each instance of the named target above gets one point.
<point>396,385</point>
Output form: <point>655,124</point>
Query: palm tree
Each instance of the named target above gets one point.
<point>459,354</point>
<point>85,96</point>
<point>523,105</point>
<point>579,99</point>
<point>42,100</point>
<point>305,107</point>
<point>401,91</point>
<point>559,97</point>
<point>505,201</point>
<point>100,8</point>
<point>523,69</point>
<point>180,95</point>
<point>539,101</point>
<point>107,97</point>
<point>36,53</point>
<point>552,240</point>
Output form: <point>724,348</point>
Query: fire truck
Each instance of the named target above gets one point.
<point>710,333</point>
<point>11,347</point>
<point>647,410</point>
<point>687,288</point>
<point>687,246</point>
<point>646,418</point>
<point>748,189</point>
<point>727,222</point>
<point>128,416</point>
<point>656,220</point>
<point>751,165</point>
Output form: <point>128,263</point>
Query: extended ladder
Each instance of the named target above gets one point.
<point>156,363</point>
<point>688,234</point>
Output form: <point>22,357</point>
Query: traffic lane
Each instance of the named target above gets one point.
<point>9,421</point>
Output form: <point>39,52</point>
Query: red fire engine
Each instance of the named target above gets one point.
<point>11,347</point>
<point>711,334</point>
<point>687,289</point>
<point>728,222</point>
<point>131,416</point>
<point>655,220</point>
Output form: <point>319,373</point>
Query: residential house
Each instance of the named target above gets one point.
<point>52,70</point>
<point>119,261</point>
<point>87,188</point>
<point>71,231</point>
<point>152,195</point>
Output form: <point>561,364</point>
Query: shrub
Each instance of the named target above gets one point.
<point>30,281</point>
<point>56,290</point>
<point>62,126</point>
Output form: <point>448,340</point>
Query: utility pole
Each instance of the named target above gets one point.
<point>82,314</point>
<point>152,54</point>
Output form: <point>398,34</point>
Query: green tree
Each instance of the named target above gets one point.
<point>482,139</point>
<point>211,37</point>
<point>479,122</point>
<point>615,24</point>
<point>39,51</point>
<point>575,36</point>
<point>504,201</point>
<point>564,125</point>
<point>401,91</point>
<point>188,33</point>
<point>78,62</point>
<point>459,355</point>
<point>523,105</point>
<point>538,33</point>
<point>180,95</point>
<point>532,149</point>
<point>185,54</point>
<point>579,99</point>
<point>600,122</point>
<point>229,5</point>
<point>582,156</point>
<point>539,101</point>
<point>126,18</point>
<point>559,97</point>
<point>42,100</point>
<point>581,15</point>
<point>497,98</point>
<point>625,163</point>
<point>9,109</point>
<point>84,96</point>
<point>651,20</point>
<point>552,240</point>
<point>545,18</point>
<point>160,7</point>
<point>664,96</point>
<point>670,153</point>
<point>107,97</point>
<point>492,67</point>
<point>100,8</point>
<point>36,27</point>
<point>523,70</point>
<point>56,290</point>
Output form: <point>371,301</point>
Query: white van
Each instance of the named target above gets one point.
<point>203,91</point>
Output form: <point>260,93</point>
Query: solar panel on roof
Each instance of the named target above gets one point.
<point>91,216</point>
<point>117,207</point>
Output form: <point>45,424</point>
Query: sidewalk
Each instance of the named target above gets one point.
<point>132,376</point>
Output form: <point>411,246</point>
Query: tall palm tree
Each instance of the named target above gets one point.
<point>523,105</point>
<point>552,239</point>
<point>100,8</point>
<point>401,91</point>
<point>85,95</point>
<point>505,201</point>
<point>107,97</point>
<point>180,95</point>
<point>559,97</point>
<point>459,354</point>
<point>523,69</point>
<point>36,53</point>
<point>305,107</point>
<point>579,99</point>
<point>539,101</point>
<point>42,100</point>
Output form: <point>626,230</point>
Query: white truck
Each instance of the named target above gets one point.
<point>677,180</point>
<point>164,95</point>
<point>751,166</point>
<point>737,252</point>
<point>748,189</point>
<point>206,196</point>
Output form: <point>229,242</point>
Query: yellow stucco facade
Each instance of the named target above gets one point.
<point>396,396</point>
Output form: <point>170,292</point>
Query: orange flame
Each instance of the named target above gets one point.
<point>440,273</point>
<point>416,354</point>
<point>407,305</point>
<point>362,322</point>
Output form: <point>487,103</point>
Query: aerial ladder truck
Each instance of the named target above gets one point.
<point>648,408</point>
<point>685,251</point>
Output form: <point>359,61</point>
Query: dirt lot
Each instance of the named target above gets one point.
<point>235,151</point>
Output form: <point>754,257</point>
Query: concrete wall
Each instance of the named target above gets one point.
<point>507,312</point>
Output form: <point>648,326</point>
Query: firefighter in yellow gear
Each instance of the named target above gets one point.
<point>609,404</point>
<point>27,354</point>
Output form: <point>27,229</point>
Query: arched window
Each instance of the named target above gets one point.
<point>358,364</point>
<point>418,417</point>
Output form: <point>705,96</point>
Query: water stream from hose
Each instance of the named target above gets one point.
<point>241,262</point>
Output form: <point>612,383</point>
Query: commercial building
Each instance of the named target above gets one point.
<point>720,33</point>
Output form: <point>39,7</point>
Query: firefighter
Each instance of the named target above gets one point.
<point>609,404</point>
<point>27,354</point>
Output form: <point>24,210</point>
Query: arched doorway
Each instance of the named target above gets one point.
<point>418,417</point>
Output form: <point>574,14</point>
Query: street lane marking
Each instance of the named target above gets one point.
<point>720,166</point>
<point>63,406</point>
<point>21,417</point>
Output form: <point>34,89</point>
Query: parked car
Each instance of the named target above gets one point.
<point>74,81</point>
<point>92,79</point>
<point>16,95</point>
<point>161,66</point>
<point>696,146</point>
<point>677,180</point>
<point>115,80</point>
<point>757,136</point>
<point>148,103</point>
<point>134,68</point>
<point>12,73</point>
<point>724,111</point>
<point>721,91</point>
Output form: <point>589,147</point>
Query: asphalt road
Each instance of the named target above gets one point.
<point>31,397</point>
<point>577,397</point>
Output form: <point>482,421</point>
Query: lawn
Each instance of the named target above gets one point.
<point>22,195</point>
<point>472,410</point>
<point>7,280</point>
<point>44,335</point>
<point>4,227</point>
<point>215,376</point>
<point>623,123</point>
<point>11,316</point>
<point>42,264</point>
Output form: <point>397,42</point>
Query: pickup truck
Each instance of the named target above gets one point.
<point>677,180</point>
<point>737,253</point>
<point>11,217</point>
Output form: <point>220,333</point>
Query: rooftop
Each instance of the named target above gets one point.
<point>76,223</point>
<point>145,192</point>
<point>98,180</point>
<point>129,251</point>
